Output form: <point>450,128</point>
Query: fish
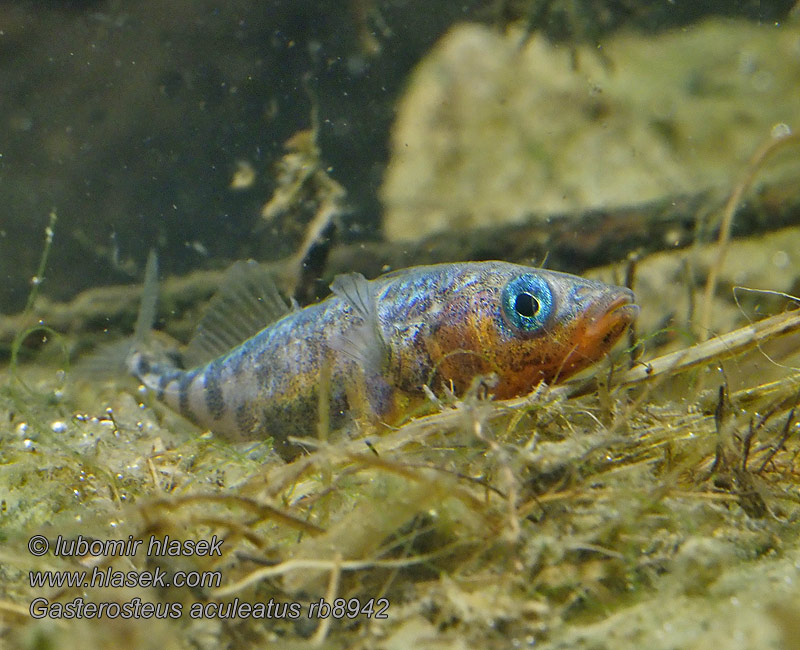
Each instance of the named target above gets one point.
<point>378,347</point>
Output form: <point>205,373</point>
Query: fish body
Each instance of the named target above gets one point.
<point>380,342</point>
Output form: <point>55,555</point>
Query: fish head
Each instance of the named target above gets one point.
<point>527,326</point>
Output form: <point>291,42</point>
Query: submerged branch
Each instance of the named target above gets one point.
<point>571,243</point>
<point>724,346</point>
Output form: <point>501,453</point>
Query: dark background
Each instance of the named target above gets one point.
<point>128,118</point>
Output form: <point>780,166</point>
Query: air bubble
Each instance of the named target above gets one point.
<point>781,130</point>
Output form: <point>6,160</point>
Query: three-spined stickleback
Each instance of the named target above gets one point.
<point>381,342</point>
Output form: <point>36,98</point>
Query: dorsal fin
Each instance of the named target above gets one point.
<point>354,289</point>
<point>245,303</point>
<point>364,342</point>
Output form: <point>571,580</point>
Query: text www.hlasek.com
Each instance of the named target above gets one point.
<point>111,578</point>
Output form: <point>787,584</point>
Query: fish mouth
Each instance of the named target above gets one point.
<point>600,328</point>
<point>609,319</point>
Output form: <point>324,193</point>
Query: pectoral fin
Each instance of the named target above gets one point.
<point>363,340</point>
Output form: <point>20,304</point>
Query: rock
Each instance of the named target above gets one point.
<point>494,128</point>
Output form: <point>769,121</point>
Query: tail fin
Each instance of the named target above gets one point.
<point>147,309</point>
<point>110,360</point>
<point>141,357</point>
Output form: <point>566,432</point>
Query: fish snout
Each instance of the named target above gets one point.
<point>612,315</point>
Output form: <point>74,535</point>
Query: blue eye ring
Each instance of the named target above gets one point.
<point>527,302</point>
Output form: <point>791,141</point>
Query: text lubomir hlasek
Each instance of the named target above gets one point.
<point>156,546</point>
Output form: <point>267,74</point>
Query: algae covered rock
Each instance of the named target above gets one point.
<point>494,128</point>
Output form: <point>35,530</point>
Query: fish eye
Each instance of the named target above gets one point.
<point>527,302</point>
<point>526,305</point>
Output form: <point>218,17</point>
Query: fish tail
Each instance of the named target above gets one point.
<point>147,308</point>
<point>196,393</point>
<point>164,379</point>
<point>136,360</point>
<point>140,361</point>
<point>110,360</point>
<point>158,372</point>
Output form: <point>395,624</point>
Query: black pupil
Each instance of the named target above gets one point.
<point>526,305</point>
